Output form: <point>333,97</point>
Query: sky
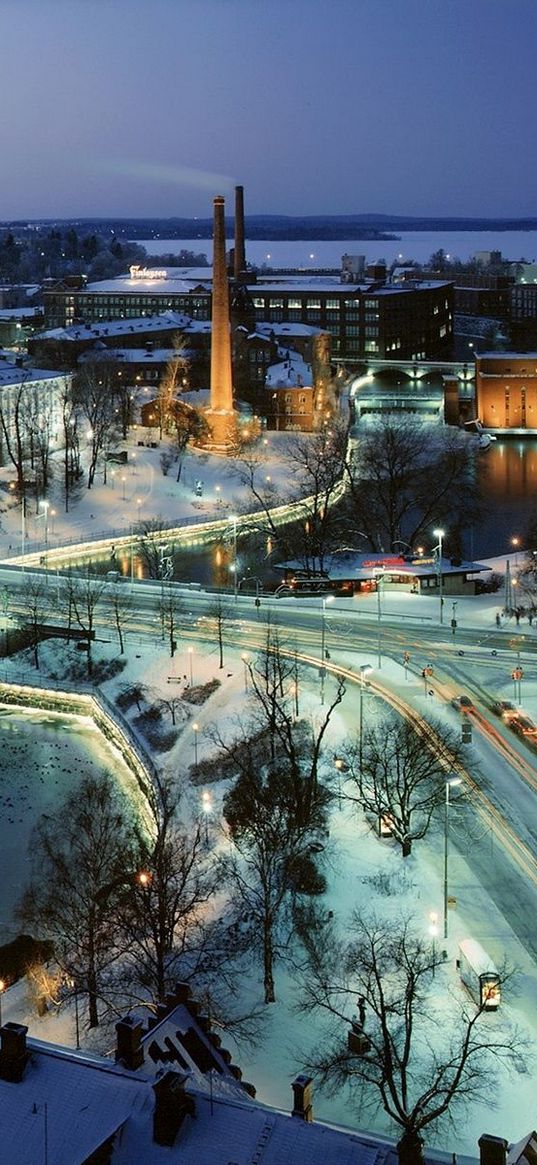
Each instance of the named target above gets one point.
<point>151,107</point>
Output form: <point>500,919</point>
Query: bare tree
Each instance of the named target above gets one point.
<point>170,608</point>
<point>84,594</point>
<point>188,425</point>
<point>79,862</point>
<point>123,612</point>
<point>164,922</point>
<point>402,1051</point>
<point>36,609</point>
<point>270,832</point>
<point>399,773</point>
<point>221,613</point>
<point>153,546</point>
<point>71,445</point>
<point>402,480</point>
<point>94,393</point>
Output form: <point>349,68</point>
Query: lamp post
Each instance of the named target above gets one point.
<point>365,670</point>
<point>433,931</point>
<point>440,535</point>
<point>233,518</point>
<point>45,508</point>
<point>380,577</point>
<point>450,784</point>
<point>325,599</point>
<point>195,729</point>
<point>2,989</point>
<point>206,805</point>
<point>190,654</point>
<point>515,542</point>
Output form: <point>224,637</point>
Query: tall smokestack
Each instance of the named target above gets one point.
<point>220,412</point>
<point>239,258</point>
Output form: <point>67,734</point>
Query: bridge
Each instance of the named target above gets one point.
<point>414,369</point>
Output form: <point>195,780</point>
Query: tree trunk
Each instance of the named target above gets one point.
<point>406,847</point>
<point>268,962</point>
<point>410,1149</point>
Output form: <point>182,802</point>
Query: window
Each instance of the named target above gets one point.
<point>258,302</point>
<point>371,346</point>
<point>313,303</point>
<point>371,303</point>
<point>292,302</point>
<point>275,302</point>
<point>371,330</point>
<point>332,304</point>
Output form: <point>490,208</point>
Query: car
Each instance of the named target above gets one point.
<point>505,708</point>
<point>523,726</point>
<point>462,703</point>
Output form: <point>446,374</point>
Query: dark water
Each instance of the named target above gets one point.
<point>508,471</point>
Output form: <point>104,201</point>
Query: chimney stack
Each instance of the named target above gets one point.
<point>172,1105</point>
<point>220,412</point>
<point>239,256</point>
<point>129,1051</point>
<point>14,1054</point>
<point>302,1098</point>
<point>492,1150</point>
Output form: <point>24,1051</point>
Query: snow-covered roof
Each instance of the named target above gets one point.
<point>177,281</point>
<point>12,374</point>
<point>282,330</point>
<point>290,373</point>
<point>369,566</point>
<point>19,313</point>
<point>158,323</point>
<point>133,355</point>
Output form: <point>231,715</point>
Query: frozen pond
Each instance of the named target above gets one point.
<point>44,756</point>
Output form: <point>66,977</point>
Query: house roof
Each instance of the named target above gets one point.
<point>368,566</point>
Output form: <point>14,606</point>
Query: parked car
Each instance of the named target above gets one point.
<point>505,708</point>
<point>523,726</point>
<point>462,703</point>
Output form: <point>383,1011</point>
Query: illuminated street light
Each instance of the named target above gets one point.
<point>325,599</point>
<point>438,550</point>
<point>196,729</point>
<point>450,784</point>
<point>207,808</point>
<point>365,670</point>
<point>233,518</point>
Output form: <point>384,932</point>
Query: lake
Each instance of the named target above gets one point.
<point>418,245</point>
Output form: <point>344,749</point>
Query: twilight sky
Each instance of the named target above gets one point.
<point>150,107</point>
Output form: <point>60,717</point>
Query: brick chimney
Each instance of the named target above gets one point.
<point>172,1105</point>
<point>239,256</point>
<point>14,1054</point>
<point>129,1050</point>
<point>302,1097</point>
<point>220,412</point>
<point>492,1150</point>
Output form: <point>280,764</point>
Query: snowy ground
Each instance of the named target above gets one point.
<point>355,852</point>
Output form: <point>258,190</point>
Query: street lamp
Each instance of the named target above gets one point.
<point>73,984</point>
<point>433,931</point>
<point>365,670</point>
<point>324,600</point>
<point>450,784</point>
<point>3,986</point>
<point>438,549</point>
<point>190,654</point>
<point>206,805</point>
<point>380,577</point>
<point>233,518</point>
<point>195,729</point>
